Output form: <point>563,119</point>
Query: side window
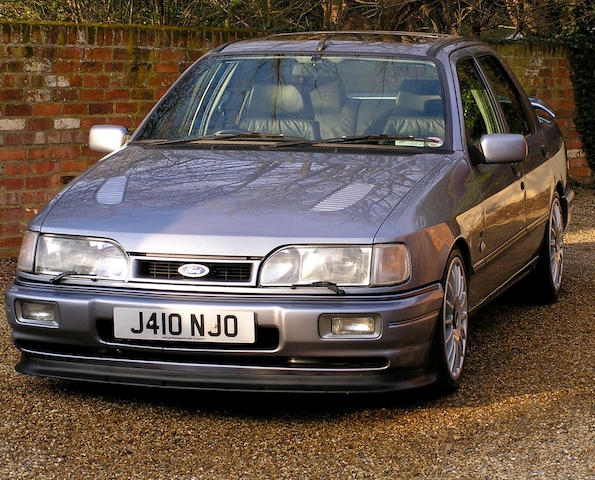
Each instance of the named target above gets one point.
<point>478,111</point>
<point>506,95</point>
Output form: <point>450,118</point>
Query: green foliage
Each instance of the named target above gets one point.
<point>580,41</point>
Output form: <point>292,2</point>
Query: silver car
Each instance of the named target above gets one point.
<point>303,212</point>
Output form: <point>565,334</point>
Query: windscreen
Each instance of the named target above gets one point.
<point>317,98</point>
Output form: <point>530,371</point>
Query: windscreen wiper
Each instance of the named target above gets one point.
<point>61,276</point>
<point>377,137</point>
<point>330,285</point>
<point>279,137</point>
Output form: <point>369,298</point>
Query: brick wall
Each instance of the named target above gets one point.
<point>57,80</point>
<point>544,71</point>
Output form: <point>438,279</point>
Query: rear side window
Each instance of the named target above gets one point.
<point>478,111</point>
<point>506,95</point>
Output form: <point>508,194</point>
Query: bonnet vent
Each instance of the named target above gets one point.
<point>343,198</point>
<point>112,191</point>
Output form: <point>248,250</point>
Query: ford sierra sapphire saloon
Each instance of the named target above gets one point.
<point>316,212</point>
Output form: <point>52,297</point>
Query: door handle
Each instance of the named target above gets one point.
<point>543,151</point>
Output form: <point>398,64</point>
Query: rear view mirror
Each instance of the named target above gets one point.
<point>503,148</point>
<point>106,138</point>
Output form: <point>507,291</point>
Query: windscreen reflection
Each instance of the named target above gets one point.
<point>315,98</point>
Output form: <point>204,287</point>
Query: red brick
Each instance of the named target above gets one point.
<point>11,213</point>
<point>71,53</point>
<point>12,183</point>
<point>87,123</point>
<point>10,242</point>
<point>170,55</point>
<point>11,94</point>
<point>90,67</point>
<point>103,80</point>
<point>75,108</point>
<point>126,107</point>
<point>39,123</point>
<point>43,109</point>
<point>39,152</point>
<point>44,167</point>
<point>64,67</point>
<point>37,183</point>
<point>73,136</point>
<point>65,94</point>
<point>10,229</point>
<point>167,67</point>
<point>17,168</point>
<point>8,154</point>
<point>119,94</point>
<point>100,108</point>
<point>581,172</point>
<point>17,110</point>
<point>123,121</point>
<point>12,139</point>
<point>91,95</point>
<point>36,197</point>
<point>114,67</point>
<point>10,198</point>
<point>89,80</point>
<point>100,54</point>
<point>66,151</point>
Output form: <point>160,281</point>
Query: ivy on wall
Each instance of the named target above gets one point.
<point>580,42</point>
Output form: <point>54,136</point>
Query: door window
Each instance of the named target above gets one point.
<point>506,95</point>
<point>478,111</point>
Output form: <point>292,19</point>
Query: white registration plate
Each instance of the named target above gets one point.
<point>184,324</point>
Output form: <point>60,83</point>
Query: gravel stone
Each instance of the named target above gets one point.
<point>526,410</point>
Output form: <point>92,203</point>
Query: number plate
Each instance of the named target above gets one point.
<point>184,325</point>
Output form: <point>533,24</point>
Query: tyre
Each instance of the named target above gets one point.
<point>546,279</point>
<point>453,324</point>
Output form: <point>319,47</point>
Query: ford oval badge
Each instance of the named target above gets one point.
<point>193,270</point>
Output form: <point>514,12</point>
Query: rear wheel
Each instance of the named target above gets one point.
<point>547,277</point>
<point>453,324</point>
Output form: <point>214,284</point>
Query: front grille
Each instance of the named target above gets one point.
<point>225,272</point>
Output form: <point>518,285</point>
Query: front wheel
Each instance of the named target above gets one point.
<point>453,325</point>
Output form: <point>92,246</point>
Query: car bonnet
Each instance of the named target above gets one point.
<point>230,202</point>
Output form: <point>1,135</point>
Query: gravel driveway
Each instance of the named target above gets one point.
<point>525,410</point>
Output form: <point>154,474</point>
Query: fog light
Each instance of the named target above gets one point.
<point>349,325</point>
<point>34,313</point>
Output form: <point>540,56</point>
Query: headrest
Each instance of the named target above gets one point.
<point>267,99</point>
<point>420,87</point>
<point>328,97</point>
<point>434,107</point>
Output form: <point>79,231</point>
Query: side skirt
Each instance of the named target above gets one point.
<point>519,275</point>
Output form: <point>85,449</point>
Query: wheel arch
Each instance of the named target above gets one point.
<point>463,246</point>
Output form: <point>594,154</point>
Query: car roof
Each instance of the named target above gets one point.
<point>373,42</point>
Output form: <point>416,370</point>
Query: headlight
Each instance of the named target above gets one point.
<point>83,256</point>
<point>27,253</point>
<point>347,266</point>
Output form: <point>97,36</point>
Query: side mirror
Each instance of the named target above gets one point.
<point>106,138</point>
<point>503,148</point>
<point>539,104</point>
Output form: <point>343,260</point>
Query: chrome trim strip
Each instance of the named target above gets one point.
<point>477,266</point>
<point>210,365</point>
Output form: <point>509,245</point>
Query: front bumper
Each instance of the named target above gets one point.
<point>289,355</point>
